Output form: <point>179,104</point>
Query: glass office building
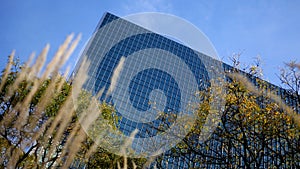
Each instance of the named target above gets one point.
<point>157,71</point>
<point>158,75</point>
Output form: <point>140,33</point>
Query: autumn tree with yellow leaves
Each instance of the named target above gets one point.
<point>255,129</point>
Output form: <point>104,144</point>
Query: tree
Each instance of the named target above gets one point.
<point>254,131</point>
<point>290,78</point>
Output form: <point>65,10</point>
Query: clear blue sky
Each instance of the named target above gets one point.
<point>270,29</point>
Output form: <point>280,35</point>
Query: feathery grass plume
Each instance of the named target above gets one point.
<point>62,54</point>
<point>7,70</point>
<point>70,140</point>
<point>14,154</point>
<point>99,94</point>
<point>54,87</point>
<point>93,148</point>
<point>75,147</point>
<point>26,70</point>
<point>28,74</point>
<point>127,143</point>
<point>133,164</point>
<point>62,113</point>
<point>90,114</point>
<point>276,98</point>
<point>70,50</point>
<point>64,119</point>
<point>42,130</point>
<point>86,119</point>
<point>80,79</point>
<point>77,84</point>
<point>116,75</point>
<point>8,117</point>
<point>73,141</point>
<point>55,63</point>
<point>118,165</point>
<point>22,107</point>
<point>64,116</point>
<point>39,62</point>
<point>96,142</point>
<point>32,72</point>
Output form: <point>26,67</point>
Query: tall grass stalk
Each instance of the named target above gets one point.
<point>295,116</point>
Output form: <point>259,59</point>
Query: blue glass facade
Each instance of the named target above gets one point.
<point>157,70</point>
